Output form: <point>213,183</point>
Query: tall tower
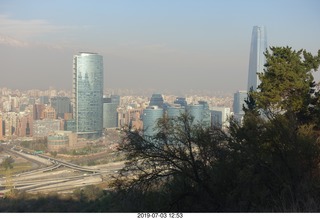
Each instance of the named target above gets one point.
<point>257,58</point>
<point>87,99</point>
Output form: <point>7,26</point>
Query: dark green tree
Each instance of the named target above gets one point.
<point>287,84</point>
<point>7,163</point>
<point>279,150</point>
<point>268,163</point>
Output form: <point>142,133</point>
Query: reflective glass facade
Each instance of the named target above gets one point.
<point>156,100</point>
<point>175,111</point>
<point>257,58</point>
<point>110,115</point>
<point>88,94</point>
<point>196,110</point>
<point>182,101</point>
<point>239,101</point>
<point>200,112</point>
<point>115,99</point>
<point>61,105</point>
<point>150,117</point>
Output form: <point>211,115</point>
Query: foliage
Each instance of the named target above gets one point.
<point>54,153</point>
<point>180,152</point>
<point>287,83</point>
<point>88,193</point>
<point>278,163</point>
<point>7,163</point>
<point>38,145</point>
<point>269,163</point>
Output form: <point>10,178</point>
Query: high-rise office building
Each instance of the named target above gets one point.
<point>150,117</point>
<point>200,113</point>
<point>238,104</point>
<point>156,100</point>
<point>206,115</point>
<point>176,110</point>
<point>220,117</point>
<point>88,94</point>
<point>38,111</point>
<point>44,99</point>
<point>115,99</point>
<point>110,114</point>
<point>239,101</point>
<point>62,105</point>
<point>28,129</point>
<point>257,57</point>
<point>196,111</point>
<point>181,100</point>
<point>24,125</point>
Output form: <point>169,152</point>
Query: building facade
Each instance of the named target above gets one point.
<point>257,58</point>
<point>38,111</point>
<point>110,114</point>
<point>181,100</point>
<point>60,140</point>
<point>88,94</point>
<point>150,117</point>
<point>239,101</point>
<point>200,113</point>
<point>220,117</point>
<point>43,128</point>
<point>115,99</point>
<point>175,110</point>
<point>49,113</point>
<point>156,100</point>
<point>62,105</point>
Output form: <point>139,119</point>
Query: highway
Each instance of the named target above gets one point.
<point>54,175</point>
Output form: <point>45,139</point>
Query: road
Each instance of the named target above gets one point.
<point>54,175</point>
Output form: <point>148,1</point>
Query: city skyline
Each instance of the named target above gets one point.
<point>165,45</point>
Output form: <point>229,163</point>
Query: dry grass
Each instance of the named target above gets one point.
<point>17,168</point>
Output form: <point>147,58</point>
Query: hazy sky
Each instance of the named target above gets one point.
<point>160,44</point>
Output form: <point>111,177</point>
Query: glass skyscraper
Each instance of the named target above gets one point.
<point>200,113</point>
<point>156,100</point>
<point>150,117</point>
<point>115,99</point>
<point>239,101</point>
<point>88,94</point>
<point>62,105</point>
<point>110,114</point>
<point>175,111</point>
<point>257,58</point>
<point>181,100</point>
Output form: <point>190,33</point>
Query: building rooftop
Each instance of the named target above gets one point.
<point>88,53</point>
